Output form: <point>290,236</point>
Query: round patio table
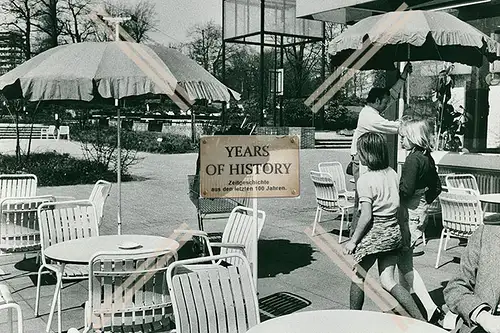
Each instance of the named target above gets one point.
<point>345,321</point>
<point>80,251</point>
<point>490,198</point>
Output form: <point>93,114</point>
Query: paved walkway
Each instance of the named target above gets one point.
<point>292,265</point>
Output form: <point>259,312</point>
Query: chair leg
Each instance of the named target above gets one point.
<point>316,217</point>
<point>341,226</point>
<point>39,282</point>
<point>54,301</point>
<point>446,241</point>
<point>20,328</point>
<point>439,247</point>
<point>200,222</point>
<point>10,316</point>
<point>59,306</point>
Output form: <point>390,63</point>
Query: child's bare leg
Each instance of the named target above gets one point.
<point>357,293</point>
<point>387,267</point>
<point>413,279</point>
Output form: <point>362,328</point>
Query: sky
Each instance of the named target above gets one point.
<point>175,17</point>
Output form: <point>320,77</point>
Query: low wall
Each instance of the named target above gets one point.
<point>306,134</point>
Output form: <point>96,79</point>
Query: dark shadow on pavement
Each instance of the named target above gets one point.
<point>281,256</point>
<point>275,255</point>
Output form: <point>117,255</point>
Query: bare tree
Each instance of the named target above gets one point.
<point>206,46</point>
<point>19,16</point>
<point>303,61</point>
<point>77,23</point>
<point>48,13</point>
<point>143,14</point>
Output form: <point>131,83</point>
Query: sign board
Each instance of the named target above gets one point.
<point>251,166</point>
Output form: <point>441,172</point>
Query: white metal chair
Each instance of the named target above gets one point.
<point>46,131</point>
<point>434,208</point>
<point>336,170</point>
<point>327,199</point>
<point>98,196</point>
<point>18,185</point>
<point>461,215</point>
<point>129,290</point>
<point>19,229</point>
<point>63,130</point>
<point>462,183</point>
<point>213,298</point>
<point>7,303</point>
<point>62,221</point>
<point>238,235</point>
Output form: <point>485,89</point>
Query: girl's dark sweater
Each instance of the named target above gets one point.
<point>419,171</point>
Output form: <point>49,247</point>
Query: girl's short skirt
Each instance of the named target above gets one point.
<point>384,235</point>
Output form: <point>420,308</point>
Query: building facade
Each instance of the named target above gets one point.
<point>11,51</point>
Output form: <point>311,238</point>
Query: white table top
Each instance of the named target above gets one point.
<point>80,251</point>
<point>345,321</point>
<point>491,198</point>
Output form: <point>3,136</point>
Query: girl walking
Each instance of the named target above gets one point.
<point>377,236</point>
<point>418,187</point>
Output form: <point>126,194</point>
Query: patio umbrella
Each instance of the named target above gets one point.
<point>93,70</point>
<point>413,36</point>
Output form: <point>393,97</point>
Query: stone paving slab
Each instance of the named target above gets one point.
<point>289,260</point>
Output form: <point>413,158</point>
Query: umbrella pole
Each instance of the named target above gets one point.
<point>119,168</point>
<point>408,81</point>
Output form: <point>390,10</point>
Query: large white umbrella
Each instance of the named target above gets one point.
<point>412,36</point>
<point>93,70</point>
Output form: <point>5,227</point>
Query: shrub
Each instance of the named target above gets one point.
<point>152,142</point>
<point>296,113</point>
<point>54,169</point>
<point>339,117</point>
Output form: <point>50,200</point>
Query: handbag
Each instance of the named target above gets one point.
<point>349,169</point>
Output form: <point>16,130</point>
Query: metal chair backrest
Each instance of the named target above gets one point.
<point>98,197</point>
<point>19,229</point>
<point>336,171</point>
<point>128,288</point>
<point>213,298</point>
<point>461,182</point>
<point>324,187</point>
<point>66,220</point>
<point>18,185</point>
<point>461,213</point>
<point>240,230</point>
<point>435,206</point>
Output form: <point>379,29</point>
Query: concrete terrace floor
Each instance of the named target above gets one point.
<point>292,267</point>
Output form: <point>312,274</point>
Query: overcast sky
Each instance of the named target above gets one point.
<point>175,17</point>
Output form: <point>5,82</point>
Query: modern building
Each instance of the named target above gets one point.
<point>11,51</point>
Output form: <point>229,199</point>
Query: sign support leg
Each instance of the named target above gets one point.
<point>255,249</point>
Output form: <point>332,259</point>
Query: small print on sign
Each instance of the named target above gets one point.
<point>252,166</point>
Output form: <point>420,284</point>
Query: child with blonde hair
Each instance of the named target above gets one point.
<point>418,187</point>
<point>377,236</point>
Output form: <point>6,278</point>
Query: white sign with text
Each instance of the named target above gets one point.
<point>251,166</point>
